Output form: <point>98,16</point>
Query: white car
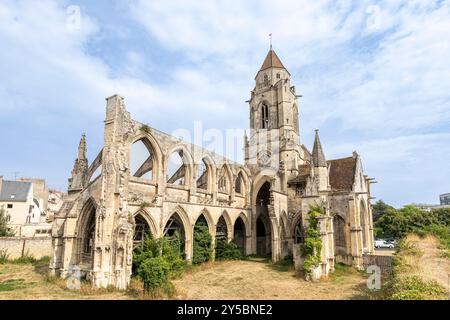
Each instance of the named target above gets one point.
<point>384,244</point>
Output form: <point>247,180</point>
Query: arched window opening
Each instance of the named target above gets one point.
<point>176,169</point>
<point>264,116</point>
<point>223,181</point>
<point>202,175</point>
<point>239,185</point>
<point>141,160</point>
<point>141,230</point>
<point>174,231</point>
<point>266,80</point>
<point>339,231</point>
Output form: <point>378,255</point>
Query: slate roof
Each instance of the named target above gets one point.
<point>18,189</point>
<point>303,173</point>
<point>342,173</point>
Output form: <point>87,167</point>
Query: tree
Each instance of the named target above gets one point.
<point>202,243</point>
<point>4,230</point>
<point>379,209</point>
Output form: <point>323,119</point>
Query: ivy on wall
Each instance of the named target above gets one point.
<point>311,248</point>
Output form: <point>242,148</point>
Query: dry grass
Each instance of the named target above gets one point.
<point>245,280</point>
<point>32,282</point>
<point>219,280</point>
<point>425,259</point>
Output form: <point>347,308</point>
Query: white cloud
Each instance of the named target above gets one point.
<point>378,70</point>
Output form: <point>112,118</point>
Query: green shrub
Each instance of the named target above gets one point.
<point>414,288</point>
<point>12,284</point>
<point>157,261</point>
<point>154,273</point>
<point>202,243</point>
<point>312,246</point>
<point>227,250</point>
<point>4,256</point>
<point>26,259</point>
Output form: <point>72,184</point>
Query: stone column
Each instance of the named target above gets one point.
<point>355,234</point>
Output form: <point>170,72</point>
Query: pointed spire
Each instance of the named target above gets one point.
<point>318,156</point>
<point>271,61</point>
<point>82,147</point>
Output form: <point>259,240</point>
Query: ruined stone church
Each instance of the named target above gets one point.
<point>262,204</point>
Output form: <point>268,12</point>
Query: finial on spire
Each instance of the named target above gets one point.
<point>82,147</point>
<point>270,38</point>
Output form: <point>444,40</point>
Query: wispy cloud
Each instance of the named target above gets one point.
<point>374,76</point>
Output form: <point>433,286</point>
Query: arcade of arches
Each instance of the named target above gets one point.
<point>144,181</point>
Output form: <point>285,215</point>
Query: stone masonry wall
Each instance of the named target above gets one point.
<point>18,247</point>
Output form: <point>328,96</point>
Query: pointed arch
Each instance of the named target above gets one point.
<point>182,218</point>
<point>211,225</point>
<point>153,161</point>
<point>242,181</point>
<point>182,171</point>
<point>229,224</point>
<point>264,110</point>
<point>86,232</point>
<point>205,174</point>
<point>298,230</point>
<point>240,232</point>
<point>148,219</point>
<point>225,179</point>
<point>339,233</point>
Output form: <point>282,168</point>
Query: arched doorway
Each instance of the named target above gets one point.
<point>239,236</point>
<point>87,235</point>
<point>174,231</point>
<point>263,223</point>
<point>141,230</point>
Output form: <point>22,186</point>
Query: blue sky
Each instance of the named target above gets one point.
<point>374,75</point>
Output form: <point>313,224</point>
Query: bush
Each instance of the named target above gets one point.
<point>202,243</point>
<point>157,261</point>
<point>312,246</point>
<point>414,288</point>
<point>4,256</point>
<point>26,259</point>
<point>227,250</point>
<point>154,273</point>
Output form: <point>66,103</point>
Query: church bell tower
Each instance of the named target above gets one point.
<point>274,140</point>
